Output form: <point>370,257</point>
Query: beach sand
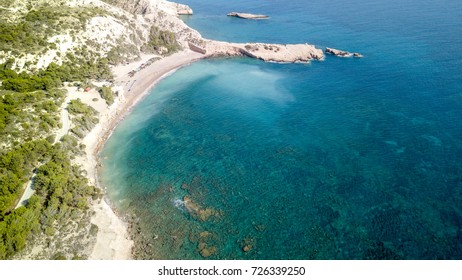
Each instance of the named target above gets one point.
<point>113,241</point>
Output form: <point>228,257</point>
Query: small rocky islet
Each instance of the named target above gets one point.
<point>247,16</point>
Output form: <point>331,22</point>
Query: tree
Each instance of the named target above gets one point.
<point>106,94</point>
<point>7,74</point>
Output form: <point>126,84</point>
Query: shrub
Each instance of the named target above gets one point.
<point>107,94</point>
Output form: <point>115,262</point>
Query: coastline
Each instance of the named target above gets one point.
<point>113,241</point>
<point>328,160</point>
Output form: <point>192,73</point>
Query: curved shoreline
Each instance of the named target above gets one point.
<point>149,80</point>
<point>113,240</point>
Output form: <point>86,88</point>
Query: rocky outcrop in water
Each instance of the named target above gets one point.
<point>282,53</point>
<point>198,212</point>
<point>341,53</point>
<point>267,52</point>
<point>247,16</point>
<point>184,10</point>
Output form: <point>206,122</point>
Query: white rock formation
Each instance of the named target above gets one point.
<point>247,16</point>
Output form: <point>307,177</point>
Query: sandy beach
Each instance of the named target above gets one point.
<point>113,241</point>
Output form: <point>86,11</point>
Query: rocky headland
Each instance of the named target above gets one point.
<point>281,53</point>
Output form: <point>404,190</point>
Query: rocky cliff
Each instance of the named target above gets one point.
<point>141,7</point>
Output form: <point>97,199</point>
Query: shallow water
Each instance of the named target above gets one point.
<point>340,159</point>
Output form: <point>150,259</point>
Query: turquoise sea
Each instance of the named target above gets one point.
<point>340,159</point>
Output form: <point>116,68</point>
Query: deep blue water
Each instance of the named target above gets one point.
<point>338,159</point>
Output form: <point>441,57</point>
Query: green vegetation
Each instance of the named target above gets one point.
<point>83,117</point>
<point>62,191</point>
<point>27,83</point>
<point>18,226</point>
<point>119,53</point>
<point>107,94</point>
<point>71,144</point>
<point>20,36</point>
<point>27,116</point>
<point>159,39</point>
<point>35,98</point>
<point>30,31</point>
<point>64,188</point>
<point>76,107</point>
<point>15,168</point>
<point>81,65</point>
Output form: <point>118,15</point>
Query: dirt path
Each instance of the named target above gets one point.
<point>64,120</point>
<point>28,192</point>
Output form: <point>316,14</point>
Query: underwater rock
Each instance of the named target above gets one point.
<point>206,245</point>
<point>199,213</point>
<point>247,248</point>
<point>208,251</point>
<point>205,234</point>
<point>260,227</point>
<point>247,244</point>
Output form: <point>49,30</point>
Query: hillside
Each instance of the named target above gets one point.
<point>36,33</point>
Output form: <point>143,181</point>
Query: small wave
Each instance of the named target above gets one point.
<point>178,203</point>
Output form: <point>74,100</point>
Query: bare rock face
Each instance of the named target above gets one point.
<point>289,53</point>
<point>341,53</point>
<point>196,48</point>
<point>283,53</point>
<point>247,16</point>
<point>183,10</point>
<point>141,7</point>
